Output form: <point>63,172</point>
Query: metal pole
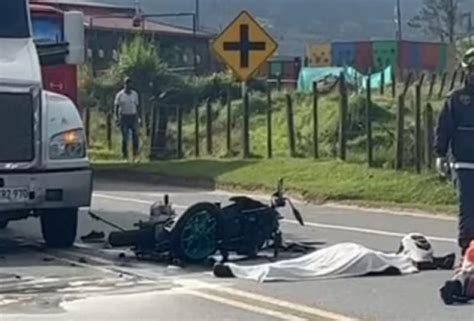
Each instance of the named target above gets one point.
<point>399,33</point>
<point>195,62</point>
<point>197,10</point>
<point>88,112</point>
<point>399,20</point>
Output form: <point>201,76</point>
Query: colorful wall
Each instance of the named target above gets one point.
<point>376,55</point>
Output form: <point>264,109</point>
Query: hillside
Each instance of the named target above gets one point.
<point>297,22</point>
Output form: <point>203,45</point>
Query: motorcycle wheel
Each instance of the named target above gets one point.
<point>194,237</point>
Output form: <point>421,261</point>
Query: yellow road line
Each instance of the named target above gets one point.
<point>253,297</point>
<point>242,306</point>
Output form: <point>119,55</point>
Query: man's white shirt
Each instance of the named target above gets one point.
<point>127,103</point>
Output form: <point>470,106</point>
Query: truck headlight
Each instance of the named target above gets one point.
<point>68,145</point>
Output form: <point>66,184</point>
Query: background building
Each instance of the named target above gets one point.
<point>107,26</point>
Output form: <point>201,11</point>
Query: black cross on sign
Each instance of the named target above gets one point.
<point>244,46</point>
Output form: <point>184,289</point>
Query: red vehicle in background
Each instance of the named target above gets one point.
<point>48,32</point>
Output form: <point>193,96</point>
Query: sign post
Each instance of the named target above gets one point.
<point>244,46</point>
<point>246,121</point>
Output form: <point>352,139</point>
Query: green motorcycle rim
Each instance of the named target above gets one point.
<point>198,237</point>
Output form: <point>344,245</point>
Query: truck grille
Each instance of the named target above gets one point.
<point>16,128</point>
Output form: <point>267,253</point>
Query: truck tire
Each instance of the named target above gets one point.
<point>59,227</point>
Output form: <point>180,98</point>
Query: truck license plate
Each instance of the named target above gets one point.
<point>14,195</point>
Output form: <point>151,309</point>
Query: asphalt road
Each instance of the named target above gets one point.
<point>90,282</point>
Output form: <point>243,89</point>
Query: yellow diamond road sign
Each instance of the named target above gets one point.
<point>244,46</point>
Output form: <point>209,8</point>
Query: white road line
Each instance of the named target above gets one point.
<point>132,200</point>
<point>366,231</point>
<point>242,306</point>
<point>316,225</point>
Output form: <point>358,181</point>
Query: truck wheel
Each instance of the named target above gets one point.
<point>59,227</point>
<point>3,225</point>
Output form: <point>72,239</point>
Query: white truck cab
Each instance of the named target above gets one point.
<point>44,167</point>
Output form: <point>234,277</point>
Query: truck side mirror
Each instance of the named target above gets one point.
<point>74,34</point>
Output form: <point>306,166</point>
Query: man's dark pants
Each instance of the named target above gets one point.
<point>465,183</point>
<point>129,124</point>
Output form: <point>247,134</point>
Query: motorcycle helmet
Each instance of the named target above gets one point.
<point>417,247</point>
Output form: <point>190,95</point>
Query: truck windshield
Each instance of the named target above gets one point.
<point>14,19</point>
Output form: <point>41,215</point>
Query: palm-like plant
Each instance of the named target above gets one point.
<point>140,60</point>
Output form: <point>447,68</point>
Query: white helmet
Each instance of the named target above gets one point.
<point>417,247</point>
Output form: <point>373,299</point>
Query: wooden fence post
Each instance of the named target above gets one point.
<point>209,126</point>
<point>429,135</point>
<point>432,83</point>
<point>196,128</point>
<point>421,80</point>
<point>408,83</point>
<point>463,77</point>
<point>229,121</point>
<point>146,114</point>
<point>269,121</point>
<point>453,80</point>
<point>443,84</point>
<point>400,131</point>
<point>368,122</point>
<point>315,120</point>
<point>179,121</point>
<point>291,125</point>
<point>418,141</point>
<point>394,84</point>
<point>382,82</point>
<point>279,82</point>
<point>88,125</point>
<point>343,117</point>
<point>154,113</point>
<point>109,130</point>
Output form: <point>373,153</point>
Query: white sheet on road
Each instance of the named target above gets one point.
<point>341,260</point>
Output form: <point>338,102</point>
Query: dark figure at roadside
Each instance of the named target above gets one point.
<point>128,117</point>
<point>455,134</point>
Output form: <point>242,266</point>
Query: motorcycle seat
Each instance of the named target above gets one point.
<point>247,202</point>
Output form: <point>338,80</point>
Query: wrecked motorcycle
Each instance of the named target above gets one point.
<point>245,227</point>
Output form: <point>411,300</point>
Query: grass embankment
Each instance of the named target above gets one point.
<point>383,114</point>
<point>317,181</point>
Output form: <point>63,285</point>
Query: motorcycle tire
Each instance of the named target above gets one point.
<point>194,238</point>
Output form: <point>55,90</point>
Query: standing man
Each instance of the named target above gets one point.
<point>128,116</point>
<point>455,131</point>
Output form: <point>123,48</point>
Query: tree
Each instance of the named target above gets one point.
<point>439,18</point>
<point>86,100</point>
<point>140,60</point>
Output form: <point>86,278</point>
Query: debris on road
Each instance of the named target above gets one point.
<point>93,237</point>
<point>48,259</point>
<point>460,289</point>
